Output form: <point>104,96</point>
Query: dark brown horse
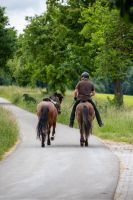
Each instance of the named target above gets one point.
<point>85,114</point>
<point>47,111</point>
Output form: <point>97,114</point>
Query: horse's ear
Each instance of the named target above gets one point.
<point>60,97</point>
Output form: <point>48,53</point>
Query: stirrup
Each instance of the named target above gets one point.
<point>101,124</point>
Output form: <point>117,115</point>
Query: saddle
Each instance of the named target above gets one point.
<point>54,102</point>
<point>83,101</point>
<point>46,99</point>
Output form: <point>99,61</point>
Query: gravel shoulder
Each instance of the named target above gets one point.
<point>124,152</point>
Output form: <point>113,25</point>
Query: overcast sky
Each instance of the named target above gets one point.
<point>16,10</point>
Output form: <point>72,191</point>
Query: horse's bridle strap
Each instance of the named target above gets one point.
<point>54,102</point>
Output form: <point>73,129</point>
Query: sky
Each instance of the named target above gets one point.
<point>16,10</point>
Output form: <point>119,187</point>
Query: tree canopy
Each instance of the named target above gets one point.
<point>71,37</point>
<point>7,42</point>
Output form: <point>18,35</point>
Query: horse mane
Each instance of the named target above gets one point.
<point>59,95</point>
<point>56,99</point>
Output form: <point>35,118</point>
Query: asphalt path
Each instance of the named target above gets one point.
<point>62,171</point>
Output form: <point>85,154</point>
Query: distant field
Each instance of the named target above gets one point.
<point>118,122</point>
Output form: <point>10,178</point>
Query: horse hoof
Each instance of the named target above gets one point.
<point>81,144</point>
<point>48,143</point>
<point>52,138</point>
<point>43,145</point>
<point>86,144</point>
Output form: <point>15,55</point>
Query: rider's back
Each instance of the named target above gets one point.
<point>84,87</point>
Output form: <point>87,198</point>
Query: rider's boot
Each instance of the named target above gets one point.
<point>99,120</point>
<point>72,117</point>
<point>98,117</point>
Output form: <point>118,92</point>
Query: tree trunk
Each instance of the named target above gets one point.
<point>118,94</point>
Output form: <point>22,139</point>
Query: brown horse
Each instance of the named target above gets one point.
<point>47,111</point>
<point>85,114</point>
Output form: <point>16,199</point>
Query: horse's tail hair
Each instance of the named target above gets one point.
<point>43,121</point>
<point>86,122</point>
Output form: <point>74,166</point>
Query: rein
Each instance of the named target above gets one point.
<point>57,105</point>
<point>72,104</point>
<point>52,101</point>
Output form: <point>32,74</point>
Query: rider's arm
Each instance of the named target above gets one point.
<point>93,93</point>
<point>75,93</point>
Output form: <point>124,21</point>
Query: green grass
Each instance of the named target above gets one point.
<point>8,131</point>
<point>128,100</point>
<point>118,122</point>
<point>118,125</point>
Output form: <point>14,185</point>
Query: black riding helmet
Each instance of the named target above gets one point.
<point>85,75</point>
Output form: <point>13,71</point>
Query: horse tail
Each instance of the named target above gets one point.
<point>86,122</point>
<point>43,121</point>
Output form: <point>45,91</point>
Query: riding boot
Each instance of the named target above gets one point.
<point>72,117</point>
<point>98,117</point>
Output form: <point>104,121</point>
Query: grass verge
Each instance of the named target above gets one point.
<point>8,131</point>
<point>118,122</point>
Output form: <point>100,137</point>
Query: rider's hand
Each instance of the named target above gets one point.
<point>75,98</point>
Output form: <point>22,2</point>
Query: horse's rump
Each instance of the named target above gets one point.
<point>87,109</point>
<point>85,114</point>
<point>47,111</point>
<point>47,114</point>
<point>52,114</point>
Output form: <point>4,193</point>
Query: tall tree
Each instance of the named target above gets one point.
<point>125,7</point>
<point>7,40</point>
<point>51,45</point>
<point>111,37</point>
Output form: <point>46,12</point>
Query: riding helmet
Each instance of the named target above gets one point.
<point>85,75</point>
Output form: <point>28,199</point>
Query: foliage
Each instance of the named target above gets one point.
<point>72,37</point>
<point>111,38</point>
<point>125,7</point>
<point>51,43</point>
<point>7,41</point>
<point>128,82</point>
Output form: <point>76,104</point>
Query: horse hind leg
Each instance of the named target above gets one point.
<point>81,143</point>
<point>86,138</point>
<point>86,142</point>
<point>53,132</point>
<point>81,138</point>
<point>87,134</point>
<point>43,140</point>
<point>48,140</point>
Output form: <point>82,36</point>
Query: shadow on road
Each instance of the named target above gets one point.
<point>67,146</point>
<point>5,104</point>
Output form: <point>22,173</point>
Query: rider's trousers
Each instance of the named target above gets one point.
<point>98,117</point>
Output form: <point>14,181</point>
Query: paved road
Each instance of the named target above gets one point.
<point>63,171</point>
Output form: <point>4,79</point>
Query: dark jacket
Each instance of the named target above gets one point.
<point>84,87</point>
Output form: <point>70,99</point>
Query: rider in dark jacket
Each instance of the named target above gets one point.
<point>83,92</point>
